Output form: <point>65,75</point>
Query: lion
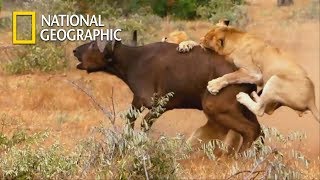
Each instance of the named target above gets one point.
<point>176,37</point>
<point>284,82</point>
<point>181,38</point>
<point>185,45</point>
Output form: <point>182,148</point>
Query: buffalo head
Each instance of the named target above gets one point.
<point>97,55</point>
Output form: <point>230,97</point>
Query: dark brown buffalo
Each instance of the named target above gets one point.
<point>159,68</point>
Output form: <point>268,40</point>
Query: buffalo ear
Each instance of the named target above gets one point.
<point>226,22</point>
<point>223,22</point>
<point>101,44</point>
<point>134,41</point>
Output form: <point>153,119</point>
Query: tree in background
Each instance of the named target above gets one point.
<point>181,9</point>
<point>0,5</point>
<point>284,2</point>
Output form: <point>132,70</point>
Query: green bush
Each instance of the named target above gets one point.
<point>109,153</point>
<point>184,9</point>
<point>42,163</point>
<point>160,7</point>
<point>270,157</point>
<point>22,158</point>
<point>127,154</point>
<point>43,57</point>
<point>215,10</point>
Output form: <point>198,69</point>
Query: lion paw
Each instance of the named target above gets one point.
<point>243,98</point>
<point>186,46</point>
<point>214,86</point>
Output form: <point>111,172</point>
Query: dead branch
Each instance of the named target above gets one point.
<point>145,167</point>
<point>246,171</point>
<point>110,115</point>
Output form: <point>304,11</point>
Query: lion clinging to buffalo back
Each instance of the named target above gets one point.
<point>284,82</point>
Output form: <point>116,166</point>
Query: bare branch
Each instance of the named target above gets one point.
<point>145,167</point>
<point>245,171</point>
<point>108,114</point>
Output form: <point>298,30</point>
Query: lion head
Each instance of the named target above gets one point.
<point>221,39</point>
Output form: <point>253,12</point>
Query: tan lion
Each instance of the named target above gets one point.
<point>181,38</point>
<point>284,82</point>
<point>176,37</point>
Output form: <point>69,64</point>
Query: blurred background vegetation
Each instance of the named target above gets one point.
<point>145,16</point>
<point>181,9</point>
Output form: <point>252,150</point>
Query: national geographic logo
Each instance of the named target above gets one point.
<point>64,27</point>
<point>15,39</point>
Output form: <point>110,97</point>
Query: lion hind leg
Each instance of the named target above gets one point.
<point>255,107</point>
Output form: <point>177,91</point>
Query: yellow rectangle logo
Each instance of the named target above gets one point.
<point>33,27</point>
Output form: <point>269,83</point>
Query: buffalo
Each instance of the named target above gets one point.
<point>157,68</point>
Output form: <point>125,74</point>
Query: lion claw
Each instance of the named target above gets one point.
<point>214,86</point>
<point>212,90</point>
<point>242,97</point>
<point>186,46</point>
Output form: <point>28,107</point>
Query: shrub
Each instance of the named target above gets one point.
<point>221,9</point>
<point>270,157</point>
<point>42,163</point>
<point>311,11</point>
<point>160,7</point>
<point>22,158</point>
<point>184,9</point>
<point>127,154</point>
<point>43,57</point>
<point>6,22</point>
<point>122,153</point>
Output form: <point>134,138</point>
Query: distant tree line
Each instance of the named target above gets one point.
<point>182,9</point>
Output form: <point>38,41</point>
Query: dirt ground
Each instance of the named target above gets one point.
<point>48,101</point>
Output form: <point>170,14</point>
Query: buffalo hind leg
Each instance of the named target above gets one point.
<point>207,132</point>
<point>213,130</point>
<point>249,130</point>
